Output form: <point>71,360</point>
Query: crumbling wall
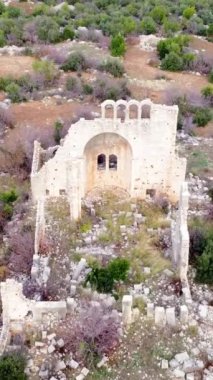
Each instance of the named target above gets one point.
<point>17,308</point>
<point>153,164</point>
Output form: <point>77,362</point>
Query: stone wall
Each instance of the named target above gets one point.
<point>144,147</point>
<point>17,308</point>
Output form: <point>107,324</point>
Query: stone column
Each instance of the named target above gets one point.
<point>170,316</point>
<point>73,186</point>
<point>81,265</point>
<point>184,314</point>
<point>160,316</point>
<point>127,302</point>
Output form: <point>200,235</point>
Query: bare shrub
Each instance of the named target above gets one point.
<point>85,112</point>
<point>6,119</point>
<point>105,88</point>
<point>209,214</point>
<point>52,53</point>
<point>21,246</point>
<point>202,64</point>
<point>93,35</point>
<point>31,289</point>
<point>91,332</point>
<point>29,34</point>
<point>163,241</point>
<point>162,202</point>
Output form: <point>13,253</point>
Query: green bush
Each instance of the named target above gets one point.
<point>170,26</point>
<point>9,196</point>
<point>12,367</point>
<point>47,29</point>
<point>207,93</point>
<point>188,59</point>
<point>202,117</point>
<point>14,92</point>
<point>148,26</point>
<point>118,269</point>
<point>58,126</point>
<point>174,44</point>
<point>189,12</point>
<point>87,89</point>
<point>2,7</point>
<point>113,67</point>
<point>204,273</point>
<point>68,33</point>
<point>75,62</point>
<point>172,62</point>
<point>4,82</point>
<point>13,12</point>
<point>103,279</point>
<point>7,211</point>
<point>46,68</point>
<point>117,45</point>
<point>159,13</point>
<point>211,76</point>
<point>210,194</point>
<point>2,39</point>
<point>71,83</point>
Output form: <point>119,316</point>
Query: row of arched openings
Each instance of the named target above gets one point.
<point>101,162</point>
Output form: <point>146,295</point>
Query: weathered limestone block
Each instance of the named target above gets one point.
<point>150,310</point>
<point>81,266</point>
<point>184,314</point>
<point>170,316</point>
<point>127,302</point>
<point>160,316</point>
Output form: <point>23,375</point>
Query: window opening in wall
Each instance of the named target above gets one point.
<point>47,192</point>
<point>113,162</point>
<point>62,192</point>
<point>151,192</point>
<point>145,111</point>
<point>101,162</point>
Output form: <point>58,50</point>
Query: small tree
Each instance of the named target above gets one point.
<point>68,33</point>
<point>204,272</point>
<point>148,26</point>
<point>159,13</point>
<point>172,62</point>
<point>211,76</point>
<point>14,92</point>
<point>117,45</point>
<point>12,367</point>
<point>2,39</point>
<point>207,93</point>
<point>113,67</point>
<point>75,62</point>
<point>202,117</point>
<point>189,12</point>
<point>45,68</point>
<point>58,126</point>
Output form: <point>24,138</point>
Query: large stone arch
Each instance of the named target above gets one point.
<point>109,175</point>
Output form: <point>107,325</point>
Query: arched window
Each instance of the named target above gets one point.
<point>145,111</point>
<point>101,162</point>
<point>113,162</point>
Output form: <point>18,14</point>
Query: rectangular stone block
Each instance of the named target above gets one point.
<point>160,316</point>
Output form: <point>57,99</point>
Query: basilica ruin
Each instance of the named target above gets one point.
<point>135,152</point>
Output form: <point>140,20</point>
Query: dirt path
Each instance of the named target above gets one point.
<point>137,66</point>
<point>15,66</point>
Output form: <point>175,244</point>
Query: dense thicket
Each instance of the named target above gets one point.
<point>46,24</point>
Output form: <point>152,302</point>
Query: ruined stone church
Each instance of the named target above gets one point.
<point>135,152</point>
